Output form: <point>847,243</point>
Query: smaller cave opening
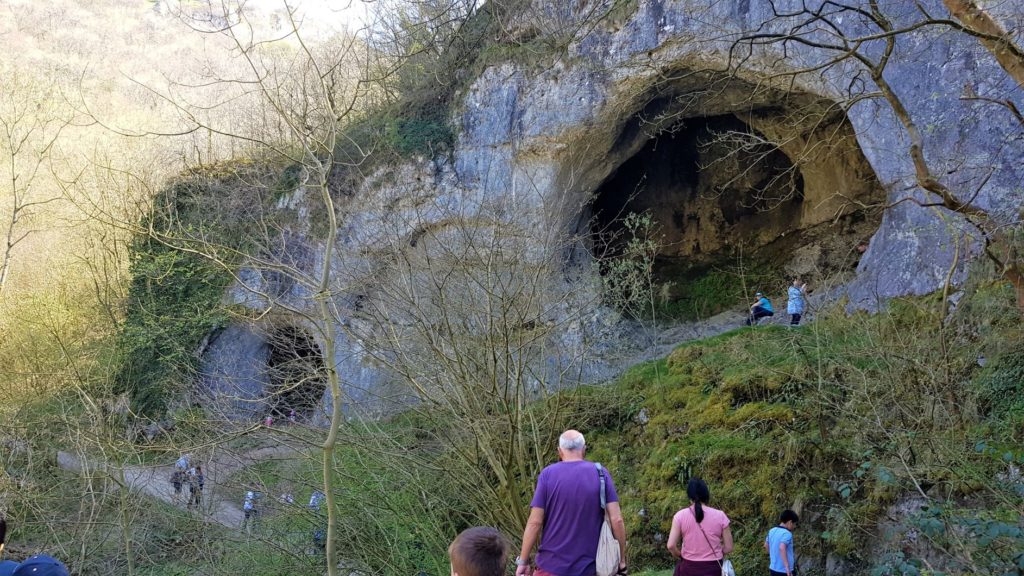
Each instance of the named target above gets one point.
<point>295,373</point>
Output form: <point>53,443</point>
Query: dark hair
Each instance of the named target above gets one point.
<point>788,516</point>
<point>3,530</point>
<point>479,551</point>
<point>699,494</point>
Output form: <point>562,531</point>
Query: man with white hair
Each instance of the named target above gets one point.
<point>566,506</point>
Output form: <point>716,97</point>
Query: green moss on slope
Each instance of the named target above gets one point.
<point>839,419</point>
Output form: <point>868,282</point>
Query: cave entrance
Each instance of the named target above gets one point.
<point>296,376</point>
<point>708,184</point>
<point>737,202</point>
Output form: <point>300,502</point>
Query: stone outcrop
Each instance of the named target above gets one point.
<point>647,99</point>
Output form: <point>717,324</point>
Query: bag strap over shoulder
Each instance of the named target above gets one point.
<point>604,493</point>
<point>708,540</point>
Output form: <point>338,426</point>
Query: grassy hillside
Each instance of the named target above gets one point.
<point>897,436</point>
<point>895,444</point>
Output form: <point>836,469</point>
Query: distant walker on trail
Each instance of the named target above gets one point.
<point>179,475</point>
<point>249,509</point>
<point>316,500</point>
<point>196,482</point>
<point>761,308</point>
<point>177,480</point>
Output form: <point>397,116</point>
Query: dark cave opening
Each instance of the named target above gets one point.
<point>736,205</point>
<point>295,368</point>
<point>708,184</point>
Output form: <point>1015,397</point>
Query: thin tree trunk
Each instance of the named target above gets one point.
<point>331,363</point>
<point>1016,277</point>
<point>4,268</point>
<point>126,525</point>
<point>9,237</point>
<point>1008,54</point>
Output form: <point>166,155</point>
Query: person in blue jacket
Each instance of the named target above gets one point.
<point>797,302</point>
<point>761,308</point>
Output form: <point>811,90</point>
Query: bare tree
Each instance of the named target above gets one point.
<point>992,35</point>
<point>304,94</point>
<point>819,28</point>
<point>31,121</point>
<point>470,311</point>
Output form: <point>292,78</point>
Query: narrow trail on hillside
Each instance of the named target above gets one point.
<point>668,338</point>
<point>221,499</point>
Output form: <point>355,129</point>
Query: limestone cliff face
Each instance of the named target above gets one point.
<point>566,124</point>
<point>639,113</point>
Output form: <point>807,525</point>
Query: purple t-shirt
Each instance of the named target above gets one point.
<point>570,494</point>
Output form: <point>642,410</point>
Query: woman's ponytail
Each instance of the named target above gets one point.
<point>698,492</point>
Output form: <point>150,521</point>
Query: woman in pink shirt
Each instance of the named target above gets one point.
<point>705,534</point>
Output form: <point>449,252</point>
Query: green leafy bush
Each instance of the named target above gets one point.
<point>426,136</point>
<point>174,302</point>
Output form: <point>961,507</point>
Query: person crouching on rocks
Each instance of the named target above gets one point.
<point>761,308</point>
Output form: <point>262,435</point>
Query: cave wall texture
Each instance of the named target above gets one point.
<point>534,144</point>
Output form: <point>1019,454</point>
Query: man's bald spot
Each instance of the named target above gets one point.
<point>572,441</point>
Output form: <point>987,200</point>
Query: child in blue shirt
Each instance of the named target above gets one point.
<point>779,544</point>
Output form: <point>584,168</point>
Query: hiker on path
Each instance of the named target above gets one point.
<point>249,509</point>
<point>196,482</point>
<point>779,544</point>
<point>182,463</point>
<point>761,308</point>
<point>316,500</point>
<point>797,302</point>
<point>700,536</point>
<point>566,507</point>
<point>177,480</point>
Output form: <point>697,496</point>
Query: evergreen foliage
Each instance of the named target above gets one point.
<point>174,302</point>
<point>199,227</point>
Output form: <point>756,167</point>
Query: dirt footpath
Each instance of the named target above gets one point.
<point>221,500</point>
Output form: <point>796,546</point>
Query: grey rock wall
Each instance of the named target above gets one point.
<point>233,375</point>
<point>535,142</point>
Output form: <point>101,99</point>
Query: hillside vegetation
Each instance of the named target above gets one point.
<point>896,446</point>
<point>897,435</point>
<point>899,450</point>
